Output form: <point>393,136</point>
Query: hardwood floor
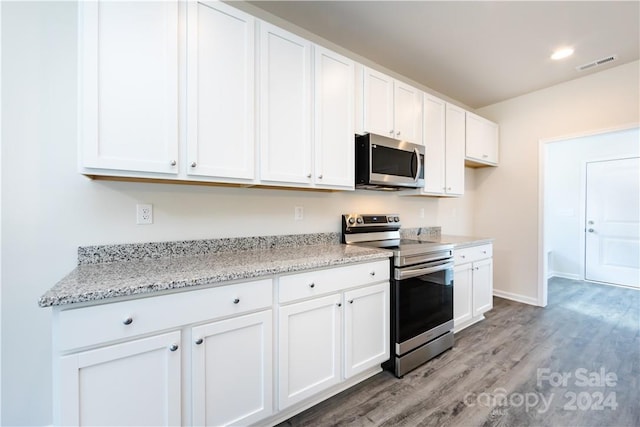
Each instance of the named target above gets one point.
<point>507,370</point>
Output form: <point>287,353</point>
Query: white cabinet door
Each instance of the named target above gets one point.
<point>133,383</point>
<point>482,286</point>
<point>285,103</point>
<point>333,120</point>
<point>309,348</point>
<point>462,294</point>
<point>232,370</point>
<point>378,103</point>
<point>221,64</point>
<point>481,140</point>
<point>434,141</point>
<point>407,113</point>
<point>129,85</point>
<point>455,145</point>
<point>366,341</point>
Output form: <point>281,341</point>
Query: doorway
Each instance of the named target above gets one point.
<point>612,229</point>
<point>562,197</point>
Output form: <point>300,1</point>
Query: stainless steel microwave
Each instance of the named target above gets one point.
<point>384,163</point>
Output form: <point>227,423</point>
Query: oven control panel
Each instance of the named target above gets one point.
<point>361,220</point>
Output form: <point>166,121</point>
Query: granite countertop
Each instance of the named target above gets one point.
<point>101,281</point>
<point>459,242</point>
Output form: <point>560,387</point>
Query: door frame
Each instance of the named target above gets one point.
<point>543,153</point>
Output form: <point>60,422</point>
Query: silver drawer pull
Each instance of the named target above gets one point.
<point>237,300</point>
<point>312,285</point>
<point>174,347</point>
<point>199,341</point>
<point>128,320</point>
<point>373,273</point>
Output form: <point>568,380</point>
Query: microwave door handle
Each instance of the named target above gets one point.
<point>407,274</point>
<point>419,166</point>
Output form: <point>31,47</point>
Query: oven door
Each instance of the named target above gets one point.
<point>423,304</point>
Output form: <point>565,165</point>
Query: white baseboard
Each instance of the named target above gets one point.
<point>564,275</point>
<point>515,297</point>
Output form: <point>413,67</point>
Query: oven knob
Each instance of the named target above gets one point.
<point>396,219</point>
<point>352,221</point>
<point>359,220</point>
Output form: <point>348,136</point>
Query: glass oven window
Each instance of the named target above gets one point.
<point>422,303</point>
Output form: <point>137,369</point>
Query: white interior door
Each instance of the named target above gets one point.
<point>612,240</point>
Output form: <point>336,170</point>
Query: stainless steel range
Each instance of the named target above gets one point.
<point>421,289</point>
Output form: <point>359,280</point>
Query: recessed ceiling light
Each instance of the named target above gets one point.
<point>562,53</point>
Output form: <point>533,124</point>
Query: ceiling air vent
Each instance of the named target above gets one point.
<point>597,62</point>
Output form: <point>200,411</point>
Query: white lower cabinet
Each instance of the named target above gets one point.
<point>473,285</point>
<point>366,337</point>
<point>209,356</point>
<point>132,383</point>
<point>231,370</point>
<point>329,329</point>
<point>309,356</point>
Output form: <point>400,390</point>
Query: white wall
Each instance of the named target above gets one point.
<point>48,209</point>
<point>507,197</point>
<point>564,193</point>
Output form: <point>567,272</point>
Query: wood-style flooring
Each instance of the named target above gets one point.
<point>522,366</point>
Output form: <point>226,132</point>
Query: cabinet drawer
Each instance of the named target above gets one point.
<point>473,253</point>
<point>82,327</point>
<point>321,282</point>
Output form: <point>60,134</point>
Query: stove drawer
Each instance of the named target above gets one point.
<point>472,254</point>
<point>321,282</point>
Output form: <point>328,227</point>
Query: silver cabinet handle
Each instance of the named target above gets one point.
<point>199,341</point>
<point>308,175</point>
<point>398,133</point>
<point>484,252</point>
<point>591,230</point>
<point>194,164</point>
<point>339,304</point>
<point>236,301</point>
<point>391,131</point>
<point>174,347</point>
<point>350,301</point>
<point>312,285</point>
<point>463,256</point>
<point>373,273</point>
<point>128,320</point>
<point>320,176</point>
<point>173,163</point>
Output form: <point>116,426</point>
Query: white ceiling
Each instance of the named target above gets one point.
<point>477,52</point>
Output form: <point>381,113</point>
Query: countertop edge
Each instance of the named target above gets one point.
<point>49,299</point>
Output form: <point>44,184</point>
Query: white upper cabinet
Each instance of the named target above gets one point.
<point>333,120</point>
<point>434,141</point>
<point>454,150</point>
<point>220,87</point>
<point>285,103</point>
<point>377,100</point>
<point>129,86</point>
<point>390,107</point>
<point>482,141</point>
<point>407,113</point>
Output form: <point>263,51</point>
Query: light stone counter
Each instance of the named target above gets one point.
<point>127,274</point>
<point>459,242</point>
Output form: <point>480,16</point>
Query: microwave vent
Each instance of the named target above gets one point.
<point>597,62</point>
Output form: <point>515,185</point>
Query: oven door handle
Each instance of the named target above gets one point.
<point>401,274</point>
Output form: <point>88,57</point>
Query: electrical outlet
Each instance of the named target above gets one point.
<point>298,213</point>
<point>144,214</point>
